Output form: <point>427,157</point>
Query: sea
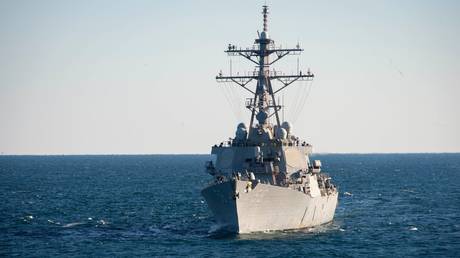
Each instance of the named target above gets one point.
<point>390,205</point>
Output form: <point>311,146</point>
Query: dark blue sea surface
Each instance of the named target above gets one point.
<point>390,205</point>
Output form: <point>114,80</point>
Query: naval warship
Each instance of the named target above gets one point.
<point>263,178</point>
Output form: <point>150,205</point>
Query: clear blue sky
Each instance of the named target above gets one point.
<point>80,77</point>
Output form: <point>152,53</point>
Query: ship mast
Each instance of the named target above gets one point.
<point>263,105</point>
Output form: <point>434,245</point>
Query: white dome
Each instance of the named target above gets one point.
<point>280,133</point>
<point>287,126</point>
<point>241,133</point>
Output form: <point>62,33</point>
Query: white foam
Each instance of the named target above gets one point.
<point>73,224</point>
<point>155,230</point>
<point>103,222</point>
<point>216,228</point>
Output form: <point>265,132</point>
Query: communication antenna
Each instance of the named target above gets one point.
<point>265,13</point>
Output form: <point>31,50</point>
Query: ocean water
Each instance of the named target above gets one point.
<point>392,205</point>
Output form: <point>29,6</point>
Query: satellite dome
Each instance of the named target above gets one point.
<point>280,133</point>
<point>287,126</point>
<point>241,132</point>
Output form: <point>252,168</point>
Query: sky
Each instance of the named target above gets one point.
<point>138,77</point>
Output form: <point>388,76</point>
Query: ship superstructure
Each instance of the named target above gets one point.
<point>263,178</point>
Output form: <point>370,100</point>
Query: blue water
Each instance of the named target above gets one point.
<point>401,205</point>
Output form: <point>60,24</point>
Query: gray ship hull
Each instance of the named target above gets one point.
<point>266,207</point>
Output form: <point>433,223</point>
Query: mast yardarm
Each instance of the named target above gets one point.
<point>263,103</point>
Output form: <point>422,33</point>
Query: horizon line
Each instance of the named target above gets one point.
<point>190,154</point>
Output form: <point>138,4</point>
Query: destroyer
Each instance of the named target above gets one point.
<point>263,178</point>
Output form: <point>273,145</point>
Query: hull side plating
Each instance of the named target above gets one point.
<point>221,201</point>
<point>267,207</point>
